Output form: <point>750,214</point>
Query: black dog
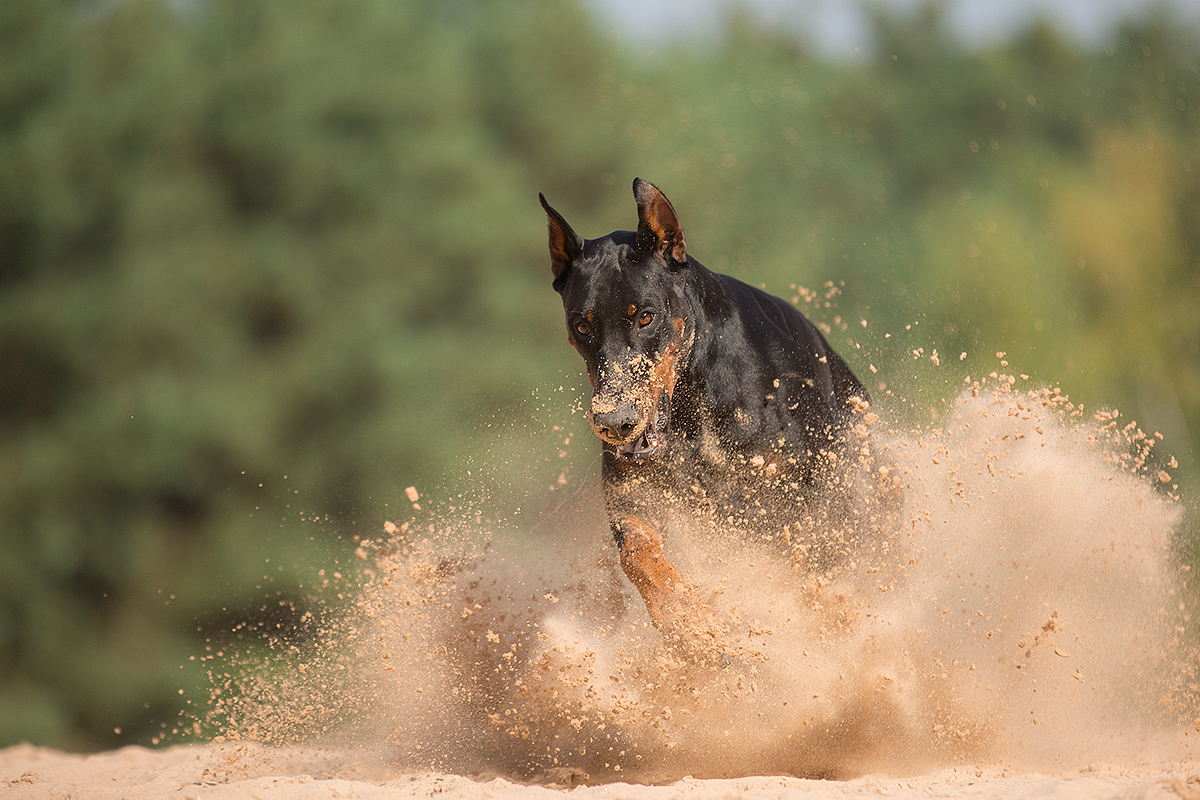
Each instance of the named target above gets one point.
<point>711,396</point>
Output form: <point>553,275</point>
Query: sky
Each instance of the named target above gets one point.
<point>838,28</point>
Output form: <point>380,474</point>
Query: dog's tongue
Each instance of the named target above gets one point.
<point>631,448</point>
<point>645,445</point>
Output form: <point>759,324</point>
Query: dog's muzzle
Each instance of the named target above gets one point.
<point>624,427</point>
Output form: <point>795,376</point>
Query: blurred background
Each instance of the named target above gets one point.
<point>266,263</point>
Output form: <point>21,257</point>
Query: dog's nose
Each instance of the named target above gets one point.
<point>617,424</point>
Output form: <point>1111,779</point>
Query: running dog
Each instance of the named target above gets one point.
<point>712,397</point>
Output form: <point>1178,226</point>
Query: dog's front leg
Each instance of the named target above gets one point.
<point>685,621</point>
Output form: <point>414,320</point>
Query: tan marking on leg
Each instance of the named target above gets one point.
<point>648,569</point>
<point>684,620</point>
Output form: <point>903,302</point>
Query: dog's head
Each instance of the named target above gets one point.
<point>626,315</point>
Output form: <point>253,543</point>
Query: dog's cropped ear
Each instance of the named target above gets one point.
<point>565,244</point>
<point>659,231</point>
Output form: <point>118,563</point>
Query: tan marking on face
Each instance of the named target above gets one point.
<point>663,372</point>
<point>629,312</point>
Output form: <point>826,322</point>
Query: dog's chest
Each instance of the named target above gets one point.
<point>704,474</point>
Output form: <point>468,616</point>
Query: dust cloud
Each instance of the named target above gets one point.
<point>1031,616</point>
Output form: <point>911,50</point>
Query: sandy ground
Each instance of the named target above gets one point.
<point>214,771</point>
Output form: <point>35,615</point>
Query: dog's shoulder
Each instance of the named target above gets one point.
<point>766,315</point>
<point>766,334</point>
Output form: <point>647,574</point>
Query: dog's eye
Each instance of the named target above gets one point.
<point>645,318</point>
<point>582,328</point>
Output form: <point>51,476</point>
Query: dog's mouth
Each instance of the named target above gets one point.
<point>652,438</point>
